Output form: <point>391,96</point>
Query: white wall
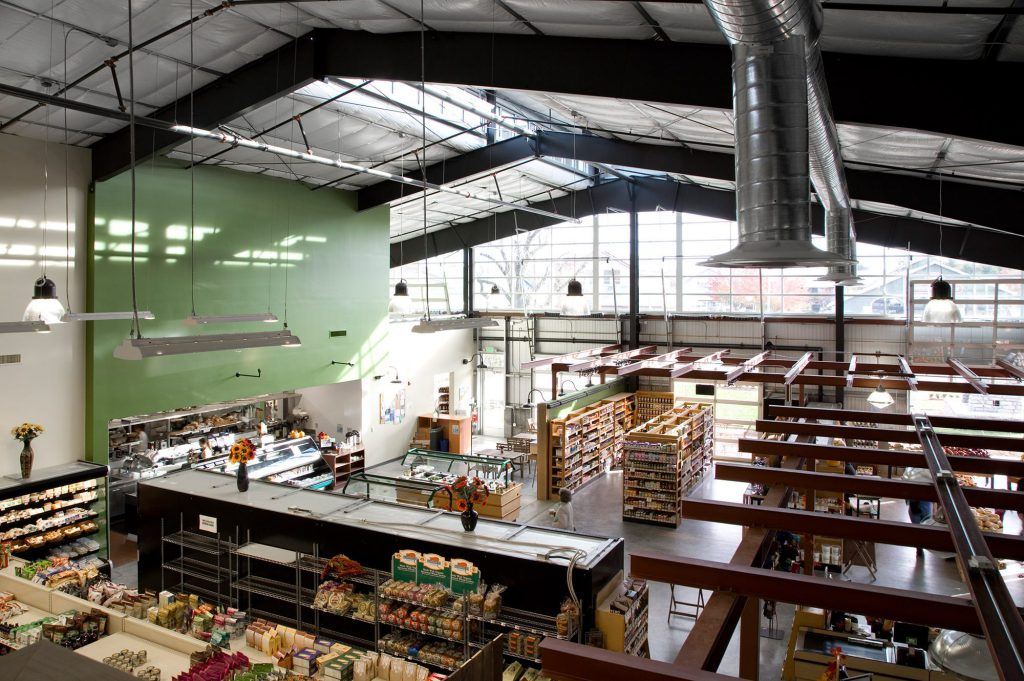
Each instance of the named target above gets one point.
<point>333,405</point>
<point>48,386</point>
<point>418,357</point>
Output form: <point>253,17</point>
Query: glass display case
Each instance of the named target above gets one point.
<point>58,511</point>
<point>424,472</point>
<point>297,462</point>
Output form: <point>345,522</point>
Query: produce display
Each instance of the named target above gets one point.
<point>428,474</point>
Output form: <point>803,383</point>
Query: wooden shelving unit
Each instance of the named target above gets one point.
<point>663,459</point>
<point>624,632</point>
<point>345,463</point>
<point>651,404</point>
<point>624,414</point>
<point>582,446</point>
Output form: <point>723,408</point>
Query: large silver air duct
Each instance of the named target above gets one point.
<point>784,135</point>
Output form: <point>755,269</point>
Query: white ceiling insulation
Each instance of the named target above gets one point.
<point>379,124</point>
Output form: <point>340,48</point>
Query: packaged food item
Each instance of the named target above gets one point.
<point>492,602</point>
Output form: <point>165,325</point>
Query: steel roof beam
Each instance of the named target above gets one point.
<point>1011,444</point>
<point>747,365</point>
<point>863,484</point>
<point>597,362</point>
<point>893,419</point>
<point>884,457</point>
<point>660,362</point>
<point>832,594</point>
<point>817,524</point>
<point>562,359</point>
<point>965,373</point>
<point>690,367</point>
<point>1000,619</point>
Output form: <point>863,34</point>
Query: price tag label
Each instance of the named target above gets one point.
<point>208,523</point>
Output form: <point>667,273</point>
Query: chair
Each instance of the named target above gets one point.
<point>517,450</point>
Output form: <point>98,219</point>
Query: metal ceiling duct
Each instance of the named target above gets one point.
<point>783,132</point>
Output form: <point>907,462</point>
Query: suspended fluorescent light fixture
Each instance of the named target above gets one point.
<point>575,303</point>
<point>941,308</point>
<point>401,302</point>
<point>453,323</point>
<point>105,316</point>
<point>880,398</point>
<point>196,320</point>
<point>24,327</point>
<point>143,348</point>
<point>236,141</point>
<point>45,306</point>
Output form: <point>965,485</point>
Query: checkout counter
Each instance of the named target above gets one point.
<point>902,656</point>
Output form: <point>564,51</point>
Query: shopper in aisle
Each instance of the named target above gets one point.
<point>919,511</point>
<point>562,512</point>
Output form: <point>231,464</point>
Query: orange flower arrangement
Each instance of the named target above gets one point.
<point>243,451</point>
<point>466,491</point>
<point>296,434</point>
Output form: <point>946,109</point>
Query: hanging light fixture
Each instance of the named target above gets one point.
<point>941,308</point>
<point>575,304</point>
<point>45,306</point>
<point>880,398</point>
<point>401,303</point>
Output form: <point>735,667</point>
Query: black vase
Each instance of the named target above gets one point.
<point>243,477</point>
<point>469,518</point>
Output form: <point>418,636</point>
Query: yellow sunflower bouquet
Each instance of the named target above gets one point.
<point>27,431</point>
<point>243,451</point>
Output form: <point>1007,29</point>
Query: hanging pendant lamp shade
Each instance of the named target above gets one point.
<point>941,308</point>
<point>575,303</point>
<point>45,306</point>
<point>401,302</point>
<point>880,398</point>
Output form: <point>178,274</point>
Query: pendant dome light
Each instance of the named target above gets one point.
<point>575,304</point>
<point>401,303</point>
<point>880,398</point>
<point>45,306</point>
<point>941,308</point>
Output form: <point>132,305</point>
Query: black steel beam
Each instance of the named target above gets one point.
<point>460,168</point>
<point>980,204</point>
<point>653,194</point>
<point>272,76</point>
<point>634,268</point>
<point>1000,619</point>
<point>892,418</point>
<point>832,594</point>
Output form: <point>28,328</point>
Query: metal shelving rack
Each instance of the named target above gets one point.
<point>212,568</point>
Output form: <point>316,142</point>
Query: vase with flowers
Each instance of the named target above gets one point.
<point>465,493</point>
<point>242,452</point>
<point>27,432</point>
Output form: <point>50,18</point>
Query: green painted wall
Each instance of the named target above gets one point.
<point>596,394</point>
<point>256,238</point>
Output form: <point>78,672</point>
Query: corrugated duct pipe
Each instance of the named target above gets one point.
<point>784,133</point>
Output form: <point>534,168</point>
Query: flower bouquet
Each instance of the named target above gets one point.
<point>27,432</point>
<point>242,452</point>
<point>465,492</point>
<point>296,434</point>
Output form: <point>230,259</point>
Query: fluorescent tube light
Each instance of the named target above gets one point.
<point>451,324</point>
<point>105,316</point>
<point>195,320</point>
<point>142,348</point>
<point>236,141</point>
<point>24,327</point>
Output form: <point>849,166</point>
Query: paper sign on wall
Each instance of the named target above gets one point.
<point>208,523</point>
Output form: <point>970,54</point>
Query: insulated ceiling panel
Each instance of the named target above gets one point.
<point>584,18</point>
<point>953,36</point>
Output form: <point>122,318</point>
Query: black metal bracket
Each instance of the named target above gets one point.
<point>305,140</point>
<point>112,65</point>
<point>334,361</point>
<point>258,374</point>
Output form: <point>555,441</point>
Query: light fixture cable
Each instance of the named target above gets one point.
<point>423,156</point>
<point>192,156</point>
<point>136,327</point>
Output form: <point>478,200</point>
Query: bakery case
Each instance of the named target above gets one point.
<point>58,511</point>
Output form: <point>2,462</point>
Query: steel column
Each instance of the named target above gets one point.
<point>634,269</point>
<point>840,339</point>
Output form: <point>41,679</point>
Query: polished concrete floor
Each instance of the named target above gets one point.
<point>597,510</point>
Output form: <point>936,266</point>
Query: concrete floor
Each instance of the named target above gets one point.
<point>597,510</point>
